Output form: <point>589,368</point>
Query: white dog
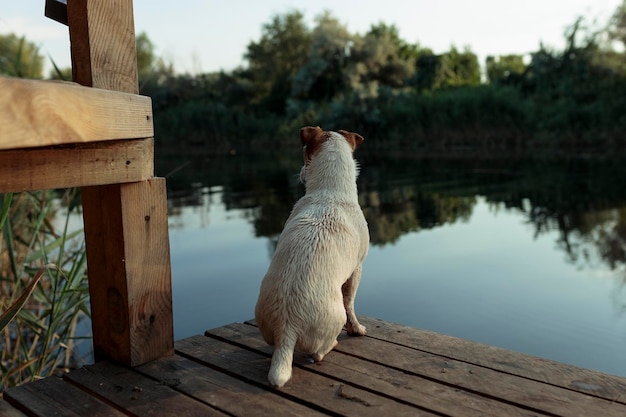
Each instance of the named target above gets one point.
<point>307,295</point>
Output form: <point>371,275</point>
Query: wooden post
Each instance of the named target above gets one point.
<point>126,228</point>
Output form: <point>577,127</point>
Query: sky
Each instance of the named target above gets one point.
<point>207,35</point>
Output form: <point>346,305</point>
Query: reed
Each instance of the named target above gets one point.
<point>43,286</point>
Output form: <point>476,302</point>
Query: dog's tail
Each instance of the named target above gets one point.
<point>282,359</point>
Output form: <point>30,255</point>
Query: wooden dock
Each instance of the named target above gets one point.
<point>394,371</point>
<point>98,134</point>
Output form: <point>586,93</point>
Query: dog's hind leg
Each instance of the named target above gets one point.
<point>348,289</point>
<point>282,360</point>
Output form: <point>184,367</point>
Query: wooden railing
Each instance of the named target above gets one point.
<point>98,134</point>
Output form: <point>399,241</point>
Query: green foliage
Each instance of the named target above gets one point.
<point>457,69</point>
<point>145,55</point>
<point>399,93</point>
<point>506,69</point>
<point>43,288</point>
<point>274,60</point>
<point>617,25</point>
<point>381,58</point>
<point>323,73</point>
<point>20,58</point>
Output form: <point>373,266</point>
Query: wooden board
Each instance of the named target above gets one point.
<point>7,410</point>
<point>222,391</point>
<point>321,392</point>
<point>44,113</point>
<point>76,165</point>
<point>570,377</point>
<point>399,384</point>
<point>225,373</point>
<point>137,394</point>
<point>126,228</point>
<point>129,271</point>
<point>361,363</point>
<point>53,397</point>
<point>102,39</point>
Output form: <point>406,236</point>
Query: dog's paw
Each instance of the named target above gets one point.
<point>355,329</point>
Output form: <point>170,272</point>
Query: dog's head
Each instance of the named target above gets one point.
<point>313,138</point>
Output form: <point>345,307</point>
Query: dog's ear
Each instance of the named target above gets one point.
<point>354,139</point>
<point>309,134</point>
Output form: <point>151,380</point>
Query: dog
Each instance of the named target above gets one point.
<point>307,294</point>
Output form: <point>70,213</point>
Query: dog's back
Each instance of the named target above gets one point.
<point>323,243</point>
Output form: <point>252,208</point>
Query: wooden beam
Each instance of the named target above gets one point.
<point>102,38</point>
<point>45,113</point>
<point>126,229</point>
<point>128,262</point>
<point>76,165</point>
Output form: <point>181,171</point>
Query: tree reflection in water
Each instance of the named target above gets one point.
<point>581,198</point>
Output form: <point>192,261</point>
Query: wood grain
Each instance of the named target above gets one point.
<point>7,410</point>
<point>129,270</point>
<point>125,224</point>
<point>563,375</point>
<point>225,373</point>
<point>137,394</point>
<point>410,387</point>
<point>222,391</point>
<point>44,113</point>
<point>76,165</point>
<point>53,397</point>
<point>102,39</point>
<point>309,388</point>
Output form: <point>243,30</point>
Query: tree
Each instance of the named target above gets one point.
<point>617,25</point>
<point>146,58</point>
<point>20,58</point>
<point>322,76</point>
<point>384,58</point>
<point>426,67</point>
<point>458,69</point>
<point>274,60</point>
<point>504,68</point>
<point>152,71</point>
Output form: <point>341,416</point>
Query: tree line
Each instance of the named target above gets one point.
<point>397,93</point>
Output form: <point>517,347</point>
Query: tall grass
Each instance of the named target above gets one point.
<point>43,287</point>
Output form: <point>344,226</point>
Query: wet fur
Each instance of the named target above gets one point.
<point>307,295</point>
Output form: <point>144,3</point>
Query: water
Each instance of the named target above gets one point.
<point>524,254</point>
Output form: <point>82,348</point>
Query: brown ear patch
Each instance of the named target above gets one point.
<point>312,138</point>
<point>354,139</point>
<point>309,134</point>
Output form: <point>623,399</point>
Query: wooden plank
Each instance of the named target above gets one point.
<point>409,387</point>
<point>76,165</point>
<point>222,391</point>
<point>102,38</point>
<point>129,272</point>
<point>128,259</point>
<point>510,388</point>
<point>309,388</point>
<point>520,391</point>
<point>136,393</point>
<point>45,113</point>
<point>7,410</point>
<point>53,397</point>
<point>570,377</point>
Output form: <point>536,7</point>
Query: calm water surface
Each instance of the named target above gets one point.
<point>528,255</point>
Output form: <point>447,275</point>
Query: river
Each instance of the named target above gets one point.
<point>528,254</point>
